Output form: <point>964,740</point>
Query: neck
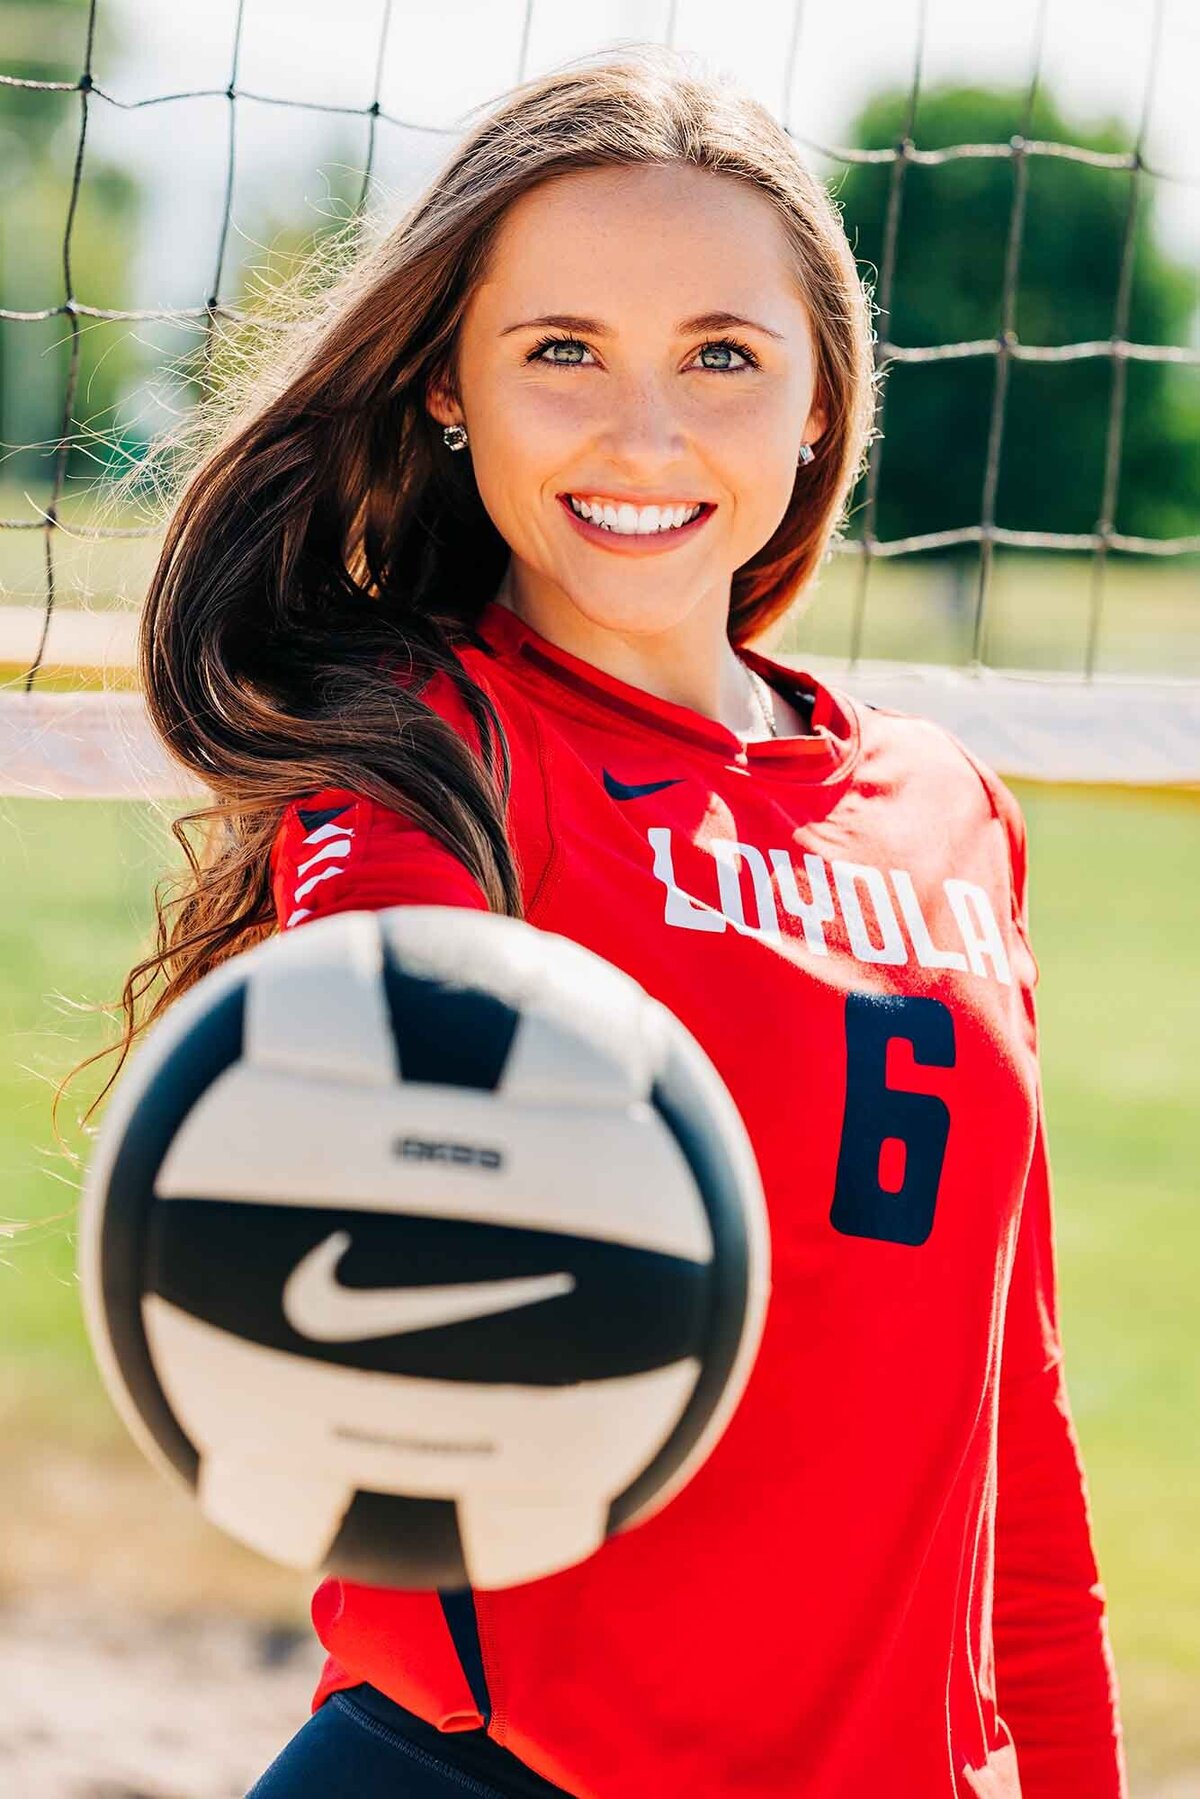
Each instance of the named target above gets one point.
<point>691,664</point>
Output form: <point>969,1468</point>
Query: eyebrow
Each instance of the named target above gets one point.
<point>705,321</point>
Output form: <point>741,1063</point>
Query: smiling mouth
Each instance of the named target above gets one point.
<point>626,520</point>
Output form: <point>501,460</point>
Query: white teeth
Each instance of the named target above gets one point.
<point>633,521</point>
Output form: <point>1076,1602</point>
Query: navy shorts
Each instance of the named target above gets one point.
<point>360,1745</point>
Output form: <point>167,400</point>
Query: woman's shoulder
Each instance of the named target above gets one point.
<point>487,669</point>
<point>921,750</point>
<point>336,842</point>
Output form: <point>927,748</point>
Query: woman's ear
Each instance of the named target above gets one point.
<point>440,403</point>
<point>816,424</point>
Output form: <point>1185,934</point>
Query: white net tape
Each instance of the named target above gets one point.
<point>1039,727</point>
<point>1033,727</point>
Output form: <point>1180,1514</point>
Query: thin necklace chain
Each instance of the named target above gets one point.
<point>768,717</point>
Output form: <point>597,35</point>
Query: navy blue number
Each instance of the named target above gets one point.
<point>909,1128</point>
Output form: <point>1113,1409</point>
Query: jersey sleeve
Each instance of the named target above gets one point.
<point>338,851</point>
<point>1056,1683</point>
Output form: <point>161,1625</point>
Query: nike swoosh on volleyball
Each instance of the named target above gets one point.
<point>319,1307</point>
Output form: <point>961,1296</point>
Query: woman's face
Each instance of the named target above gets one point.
<point>637,393</point>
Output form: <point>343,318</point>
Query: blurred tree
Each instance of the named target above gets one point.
<point>277,259</point>
<point>44,40</point>
<point>947,288</point>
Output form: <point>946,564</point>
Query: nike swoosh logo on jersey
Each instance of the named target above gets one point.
<point>317,1306</point>
<point>625,790</point>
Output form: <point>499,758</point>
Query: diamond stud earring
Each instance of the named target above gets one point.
<point>454,437</point>
<point>806,452</point>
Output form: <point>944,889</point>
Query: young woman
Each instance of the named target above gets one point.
<point>460,612</point>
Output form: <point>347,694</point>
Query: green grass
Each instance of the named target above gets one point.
<point>75,901</point>
<point>1113,886</point>
<point>1114,880</point>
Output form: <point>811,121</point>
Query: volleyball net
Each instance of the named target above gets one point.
<point>1101,682</point>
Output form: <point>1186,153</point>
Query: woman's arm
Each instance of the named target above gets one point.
<point>337,851</point>
<point>1056,1683</point>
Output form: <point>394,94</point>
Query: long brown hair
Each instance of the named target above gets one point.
<point>326,538</point>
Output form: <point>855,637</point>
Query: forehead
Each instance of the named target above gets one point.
<point>609,240</point>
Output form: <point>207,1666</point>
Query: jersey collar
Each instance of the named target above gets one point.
<point>823,756</point>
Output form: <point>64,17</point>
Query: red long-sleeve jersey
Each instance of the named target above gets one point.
<point>883,1579</point>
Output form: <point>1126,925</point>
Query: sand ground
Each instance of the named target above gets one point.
<point>123,1707</point>
<point>143,1655</point>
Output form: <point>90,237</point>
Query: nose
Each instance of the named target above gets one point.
<point>644,431</point>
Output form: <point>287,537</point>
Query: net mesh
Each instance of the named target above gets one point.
<point>1088,725</point>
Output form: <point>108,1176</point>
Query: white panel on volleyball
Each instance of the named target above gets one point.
<point>299,1437</point>
<point>579,1143</point>
<point>581,1169</point>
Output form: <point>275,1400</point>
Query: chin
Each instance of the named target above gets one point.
<point>632,616</point>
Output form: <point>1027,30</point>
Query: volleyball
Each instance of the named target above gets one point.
<point>426,1247</point>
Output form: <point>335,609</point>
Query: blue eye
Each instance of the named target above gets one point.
<point>570,343</point>
<point>749,359</point>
